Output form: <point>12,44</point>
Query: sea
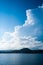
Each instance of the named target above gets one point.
<point>21,59</point>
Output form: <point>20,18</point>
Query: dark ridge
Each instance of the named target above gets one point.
<point>24,50</point>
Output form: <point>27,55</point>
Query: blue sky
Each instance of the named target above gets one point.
<point>21,21</point>
<point>15,10</point>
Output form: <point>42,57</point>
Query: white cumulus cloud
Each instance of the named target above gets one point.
<point>30,19</point>
<point>19,38</point>
<point>40,6</point>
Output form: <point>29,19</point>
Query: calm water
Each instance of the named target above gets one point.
<point>21,59</point>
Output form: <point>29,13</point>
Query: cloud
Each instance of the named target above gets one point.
<point>30,42</point>
<point>22,36</point>
<point>40,6</point>
<point>30,19</point>
<point>19,42</point>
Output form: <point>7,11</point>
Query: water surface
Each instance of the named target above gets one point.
<point>21,59</point>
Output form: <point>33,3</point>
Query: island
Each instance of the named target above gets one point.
<point>24,50</point>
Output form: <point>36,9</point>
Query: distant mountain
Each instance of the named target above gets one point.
<point>24,50</point>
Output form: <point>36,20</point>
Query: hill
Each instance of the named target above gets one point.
<point>24,50</point>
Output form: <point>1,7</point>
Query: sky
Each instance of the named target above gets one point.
<point>21,24</point>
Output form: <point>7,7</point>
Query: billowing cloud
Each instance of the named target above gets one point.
<point>22,36</point>
<point>17,42</point>
<point>30,19</point>
<point>40,6</point>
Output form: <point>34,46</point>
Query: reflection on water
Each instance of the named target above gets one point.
<point>21,59</point>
